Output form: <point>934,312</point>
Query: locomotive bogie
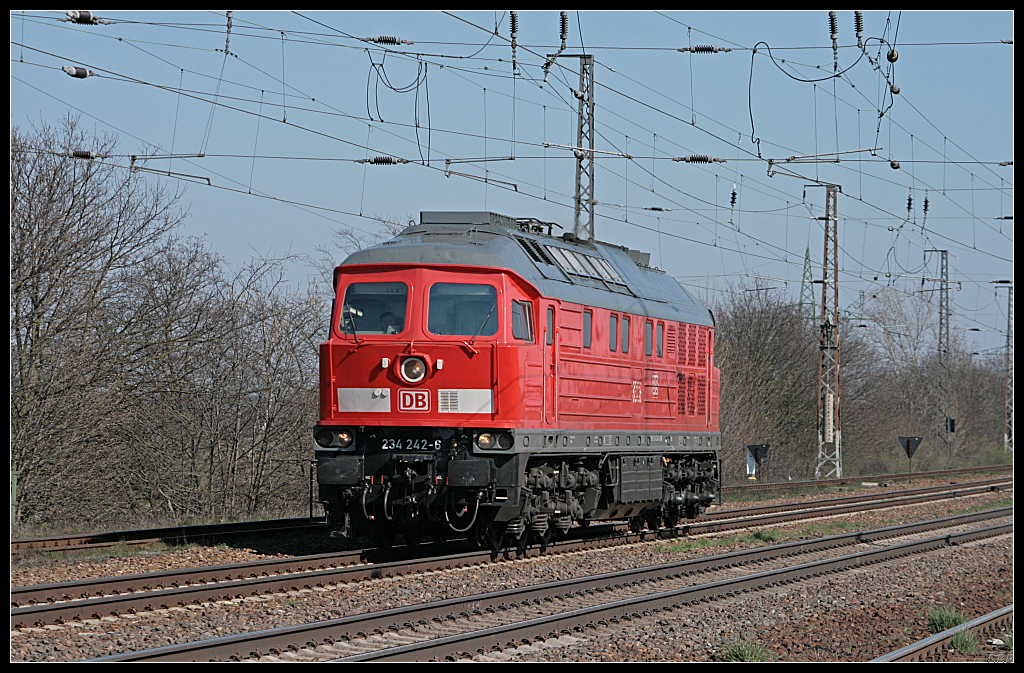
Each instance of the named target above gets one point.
<point>481,378</point>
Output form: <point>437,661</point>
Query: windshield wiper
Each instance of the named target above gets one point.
<point>480,329</point>
<point>348,322</point>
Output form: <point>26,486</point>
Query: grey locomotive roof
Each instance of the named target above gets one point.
<point>562,268</point>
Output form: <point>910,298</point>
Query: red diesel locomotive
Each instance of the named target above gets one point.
<point>485,378</point>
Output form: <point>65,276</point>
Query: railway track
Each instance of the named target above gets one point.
<point>463,627</point>
<point>96,598</point>
<point>185,534</point>
<point>806,509</point>
<point>169,535</point>
<point>822,483</point>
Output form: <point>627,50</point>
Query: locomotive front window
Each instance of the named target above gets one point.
<point>374,308</point>
<point>463,309</point>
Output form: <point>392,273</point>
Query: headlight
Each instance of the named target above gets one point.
<point>494,440</point>
<point>413,369</point>
<point>333,438</point>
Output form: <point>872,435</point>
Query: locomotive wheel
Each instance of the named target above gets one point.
<point>544,539</point>
<point>384,535</point>
<point>492,537</point>
<point>413,535</point>
<point>636,524</point>
<point>518,542</point>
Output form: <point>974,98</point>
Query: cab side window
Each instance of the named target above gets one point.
<point>522,321</point>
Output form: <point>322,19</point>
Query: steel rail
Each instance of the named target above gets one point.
<point>170,535</point>
<point>92,599</point>
<point>178,534</point>
<point>904,476</point>
<point>124,584</point>
<point>786,514</point>
<point>988,484</point>
<point>249,579</point>
<point>309,635</point>
<point>932,648</point>
<point>500,637</point>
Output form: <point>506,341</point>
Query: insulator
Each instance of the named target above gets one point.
<point>858,23</point>
<point>385,39</point>
<point>383,161</point>
<point>926,205</point>
<point>892,55</point>
<point>564,25</point>
<point>733,200</point>
<point>704,49</point>
<point>832,25</point>
<point>699,159</point>
<point>80,73</point>
<point>85,18</point>
<point>513,21</point>
<point>82,16</point>
<point>83,154</point>
<point>910,203</point>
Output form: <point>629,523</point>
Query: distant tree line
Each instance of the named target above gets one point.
<point>767,349</point>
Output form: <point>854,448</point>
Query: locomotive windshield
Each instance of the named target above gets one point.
<point>464,309</point>
<point>374,308</point>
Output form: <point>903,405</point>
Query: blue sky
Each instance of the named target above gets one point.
<point>285,105</point>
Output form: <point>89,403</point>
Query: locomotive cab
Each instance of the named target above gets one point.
<point>409,386</point>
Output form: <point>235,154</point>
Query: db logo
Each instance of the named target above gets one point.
<point>414,400</point>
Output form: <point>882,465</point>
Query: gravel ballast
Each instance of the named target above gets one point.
<point>850,617</point>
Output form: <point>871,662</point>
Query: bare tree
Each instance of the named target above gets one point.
<point>347,240</point>
<point>77,227</point>
<point>148,378</point>
<point>221,428</point>
<point>768,356</point>
<point>898,389</point>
